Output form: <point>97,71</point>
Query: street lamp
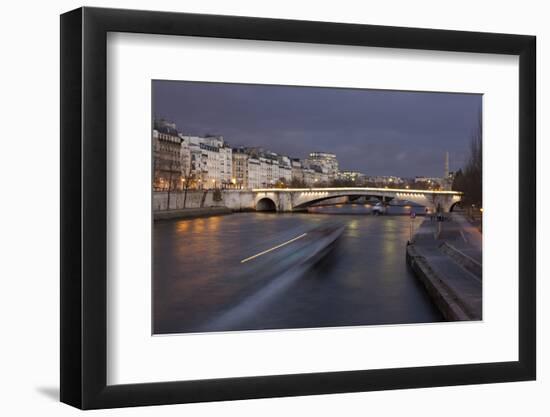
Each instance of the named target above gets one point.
<point>481,220</point>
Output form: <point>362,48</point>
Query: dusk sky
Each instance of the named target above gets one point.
<point>377,132</point>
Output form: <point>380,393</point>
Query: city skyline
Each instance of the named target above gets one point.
<point>385,132</point>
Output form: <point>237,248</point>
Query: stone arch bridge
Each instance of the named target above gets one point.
<point>297,199</point>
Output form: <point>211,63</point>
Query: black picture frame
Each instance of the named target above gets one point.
<point>84,207</point>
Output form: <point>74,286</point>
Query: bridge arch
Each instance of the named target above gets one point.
<point>307,199</point>
<point>314,200</point>
<point>455,204</point>
<point>430,199</point>
<point>266,204</point>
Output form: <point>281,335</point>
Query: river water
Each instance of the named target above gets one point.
<point>199,280</point>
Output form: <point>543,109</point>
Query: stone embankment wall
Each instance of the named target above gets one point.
<point>198,199</point>
<point>443,297</point>
<point>449,266</point>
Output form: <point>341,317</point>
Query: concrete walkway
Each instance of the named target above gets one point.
<point>448,262</point>
<point>471,234</point>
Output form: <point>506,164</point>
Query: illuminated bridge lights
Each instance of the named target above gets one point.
<point>320,191</point>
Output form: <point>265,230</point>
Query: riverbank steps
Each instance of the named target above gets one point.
<point>191,213</point>
<point>446,257</point>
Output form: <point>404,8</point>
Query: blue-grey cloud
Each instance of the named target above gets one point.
<point>378,132</point>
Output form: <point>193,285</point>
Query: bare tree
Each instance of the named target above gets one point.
<point>170,173</point>
<point>469,180</point>
<point>297,183</point>
<point>187,177</point>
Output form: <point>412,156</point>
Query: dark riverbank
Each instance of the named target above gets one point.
<point>191,213</point>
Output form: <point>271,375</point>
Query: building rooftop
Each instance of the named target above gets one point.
<point>163,126</point>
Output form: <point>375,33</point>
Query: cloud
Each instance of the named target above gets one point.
<point>378,132</point>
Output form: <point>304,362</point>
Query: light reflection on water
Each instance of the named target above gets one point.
<point>363,280</point>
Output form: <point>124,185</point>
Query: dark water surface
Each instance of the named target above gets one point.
<point>200,284</point>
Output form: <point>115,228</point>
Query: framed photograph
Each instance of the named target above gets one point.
<point>257,208</point>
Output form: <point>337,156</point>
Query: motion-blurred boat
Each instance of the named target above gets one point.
<point>272,271</point>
